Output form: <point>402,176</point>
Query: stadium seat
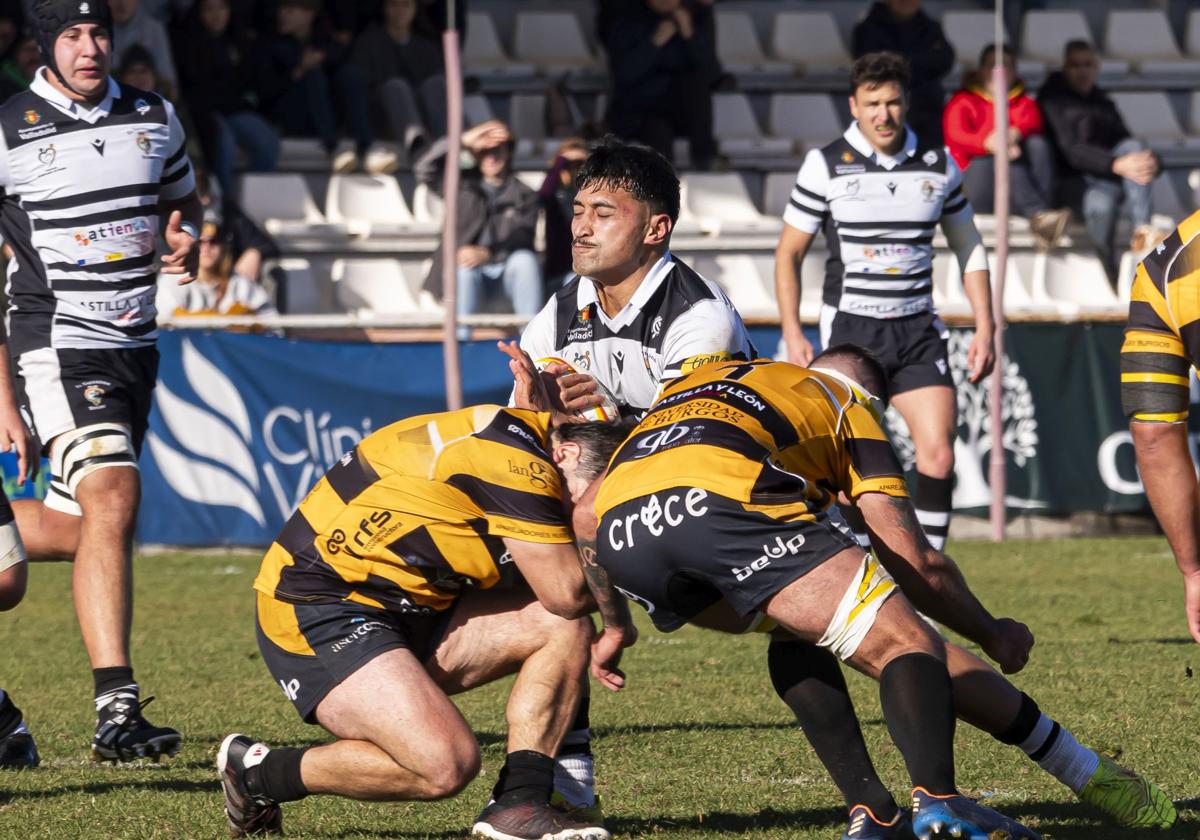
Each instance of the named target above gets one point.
<point>1144,37</point>
<point>722,204</point>
<point>737,131</point>
<point>427,205</point>
<point>554,42</point>
<point>1195,112</point>
<point>810,120</point>
<point>303,290</point>
<point>740,50</point>
<point>282,204</point>
<point>477,109</point>
<point>1192,40</point>
<point>777,191</point>
<point>527,121</point>
<point>1151,113</point>
<point>1044,33</point>
<point>483,53</point>
<point>969,32</point>
<point>738,275</point>
<point>1075,281</point>
<point>811,40</point>
<point>1165,198</point>
<point>372,205</point>
<point>372,286</point>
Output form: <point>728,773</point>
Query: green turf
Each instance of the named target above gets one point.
<point>698,743</point>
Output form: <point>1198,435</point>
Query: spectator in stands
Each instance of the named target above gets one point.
<point>134,26</point>
<point>219,288</point>
<point>248,244</point>
<point>300,75</point>
<point>20,67</point>
<point>902,26</point>
<point>557,197</point>
<point>1101,164</point>
<point>663,60</point>
<point>497,218</point>
<point>405,72</point>
<point>215,67</point>
<point>970,133</point>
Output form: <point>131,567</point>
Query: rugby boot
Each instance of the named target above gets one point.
<point>959,817</point>
<point>1129,798</point>
<point>248,815</point>
<point>865,826</point>
<point>532,820</point>
<point>593,813</point>
<point>18,751</point>
<point>123,734</point>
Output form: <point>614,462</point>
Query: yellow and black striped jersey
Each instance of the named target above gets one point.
<point>1162,338</point>
<point>778,438</point>
<point>417,512</point>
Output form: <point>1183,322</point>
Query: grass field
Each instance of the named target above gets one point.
<point>697,745</point>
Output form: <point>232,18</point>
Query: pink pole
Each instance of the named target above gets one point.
<point>453,368</point>
<point>997,476</point>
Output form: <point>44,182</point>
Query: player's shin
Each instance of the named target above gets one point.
<point>1051,745</point>
<point>918,705</point>
<point>810,681</point>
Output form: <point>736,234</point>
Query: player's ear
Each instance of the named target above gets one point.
<point>658,229</point>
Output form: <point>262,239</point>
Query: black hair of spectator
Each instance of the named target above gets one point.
<point>137,54</point>
<point>991,48</point>
<point>879,68</point>
<point>639,170</point>
<point>598,440</point>
<point>1076,44</point>
<point>864,366</point>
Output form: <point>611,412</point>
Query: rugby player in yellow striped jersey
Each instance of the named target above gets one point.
<point>783,450</point>
<point>378,599</point>
<point>1162,342</point>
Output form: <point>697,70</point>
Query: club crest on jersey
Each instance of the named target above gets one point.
<point>582,360</point>
<point>656,327</point>
<point>929,158</point>
<point>47,154</point>
<point>32,117</point>
<point>141,106</point>
<point>927,189</point>
<point>94,394</point>
<point>143,142</point>
<point>847,157</point>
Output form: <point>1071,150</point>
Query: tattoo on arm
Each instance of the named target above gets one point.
<point>614,609</point>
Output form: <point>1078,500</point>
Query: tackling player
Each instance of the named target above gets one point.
<point>1161,344</point>
<point>878,193</point>
<point>374,606</point>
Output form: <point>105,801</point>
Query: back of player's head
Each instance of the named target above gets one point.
<point>638,170</point>
<point>597,442</point>
<point>857,363</point>
<point>879,68</point>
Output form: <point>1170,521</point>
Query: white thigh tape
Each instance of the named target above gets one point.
<point>856,613</point>
<point>80,452</point>
<point>12,550</point>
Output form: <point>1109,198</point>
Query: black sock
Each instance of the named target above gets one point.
<point>527,775</point>
<point>932,501</point>
<point>810,681</point>
<point>278,777</point>
<point>918,704</point>
<point>1022,726</point>
<point>10,715</point>
<point>578,740</point>
<point>108,680</point>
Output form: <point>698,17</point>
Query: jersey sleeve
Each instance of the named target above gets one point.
<point>710,331</point>
<point>868,464</point>
<point>177,180</point>
<point>1154,360</point>
<point>808,204</point>
<point>958,223</point>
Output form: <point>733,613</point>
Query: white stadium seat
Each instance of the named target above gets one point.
<point>810,120</point>
<point>553,41</point>
<point>722,204</point>
<point>371,205</point>
<point>305,290</point>
<point>427,205</point>
<point>1195,112</point>
<point>1076,281</point>
<point>476,109</point>
<point>1149,113</point>
<point>483,53</point>
<point>777,191</point>
<point>1192,40</point>
<point>969,32</point>
<point>739,48</point>
<point>283,205</point>
<point>811,40</point>
<point>372,286</point>
<point>1045,33</point>
<point>1145,38</point>
<point>737,131</point>
<point>738,275</point>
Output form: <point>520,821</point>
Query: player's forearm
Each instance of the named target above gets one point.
<point>612,606</point>
<point>787,285</point>
<point>978,288</point>
<point>1165,465</point>
<point>189,207</point>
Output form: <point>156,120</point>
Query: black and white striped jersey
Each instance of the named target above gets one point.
<point>675,322</point>
<point>879,216</point>
<point>79,209</point>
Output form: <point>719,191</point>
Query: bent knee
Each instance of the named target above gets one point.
<point>448,777</point>
<point>12,589</point>
<point>936,459</point>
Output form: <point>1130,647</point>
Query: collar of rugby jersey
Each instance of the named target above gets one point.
<point>650,283</point>
<point>69,106</point>
<point>862,145</point>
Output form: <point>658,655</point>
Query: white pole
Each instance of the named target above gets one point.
<point>997,477</point>
<point>453,369</point>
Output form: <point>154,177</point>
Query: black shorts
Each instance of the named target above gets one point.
<point>61,390</point>
<point>707,547</point>
<point>912,349</point>
<point>311,648</point>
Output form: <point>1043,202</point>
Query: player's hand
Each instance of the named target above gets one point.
<point>799,349</point>
<point>1010,645</point>
<point>15,437</point>
<point>578,392</point>
<point>1191,592</point>
<point>606,656</point>
<point>534,390</point>
<point>981,355</point>
<point>184,259</point>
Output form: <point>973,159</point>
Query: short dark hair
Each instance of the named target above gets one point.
<point>639,170</point>
<point>1076,44</point>
<point>598,440</point>
<point>857,362</point>
<point>991,48</point>
<point>879,68</point>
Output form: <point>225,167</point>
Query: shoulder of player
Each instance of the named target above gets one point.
<point>17,104</point>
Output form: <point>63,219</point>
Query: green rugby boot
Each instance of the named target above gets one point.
<point>1132,800</point>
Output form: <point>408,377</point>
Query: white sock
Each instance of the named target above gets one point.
<point>575,780</point>
<point>1057,752</point>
